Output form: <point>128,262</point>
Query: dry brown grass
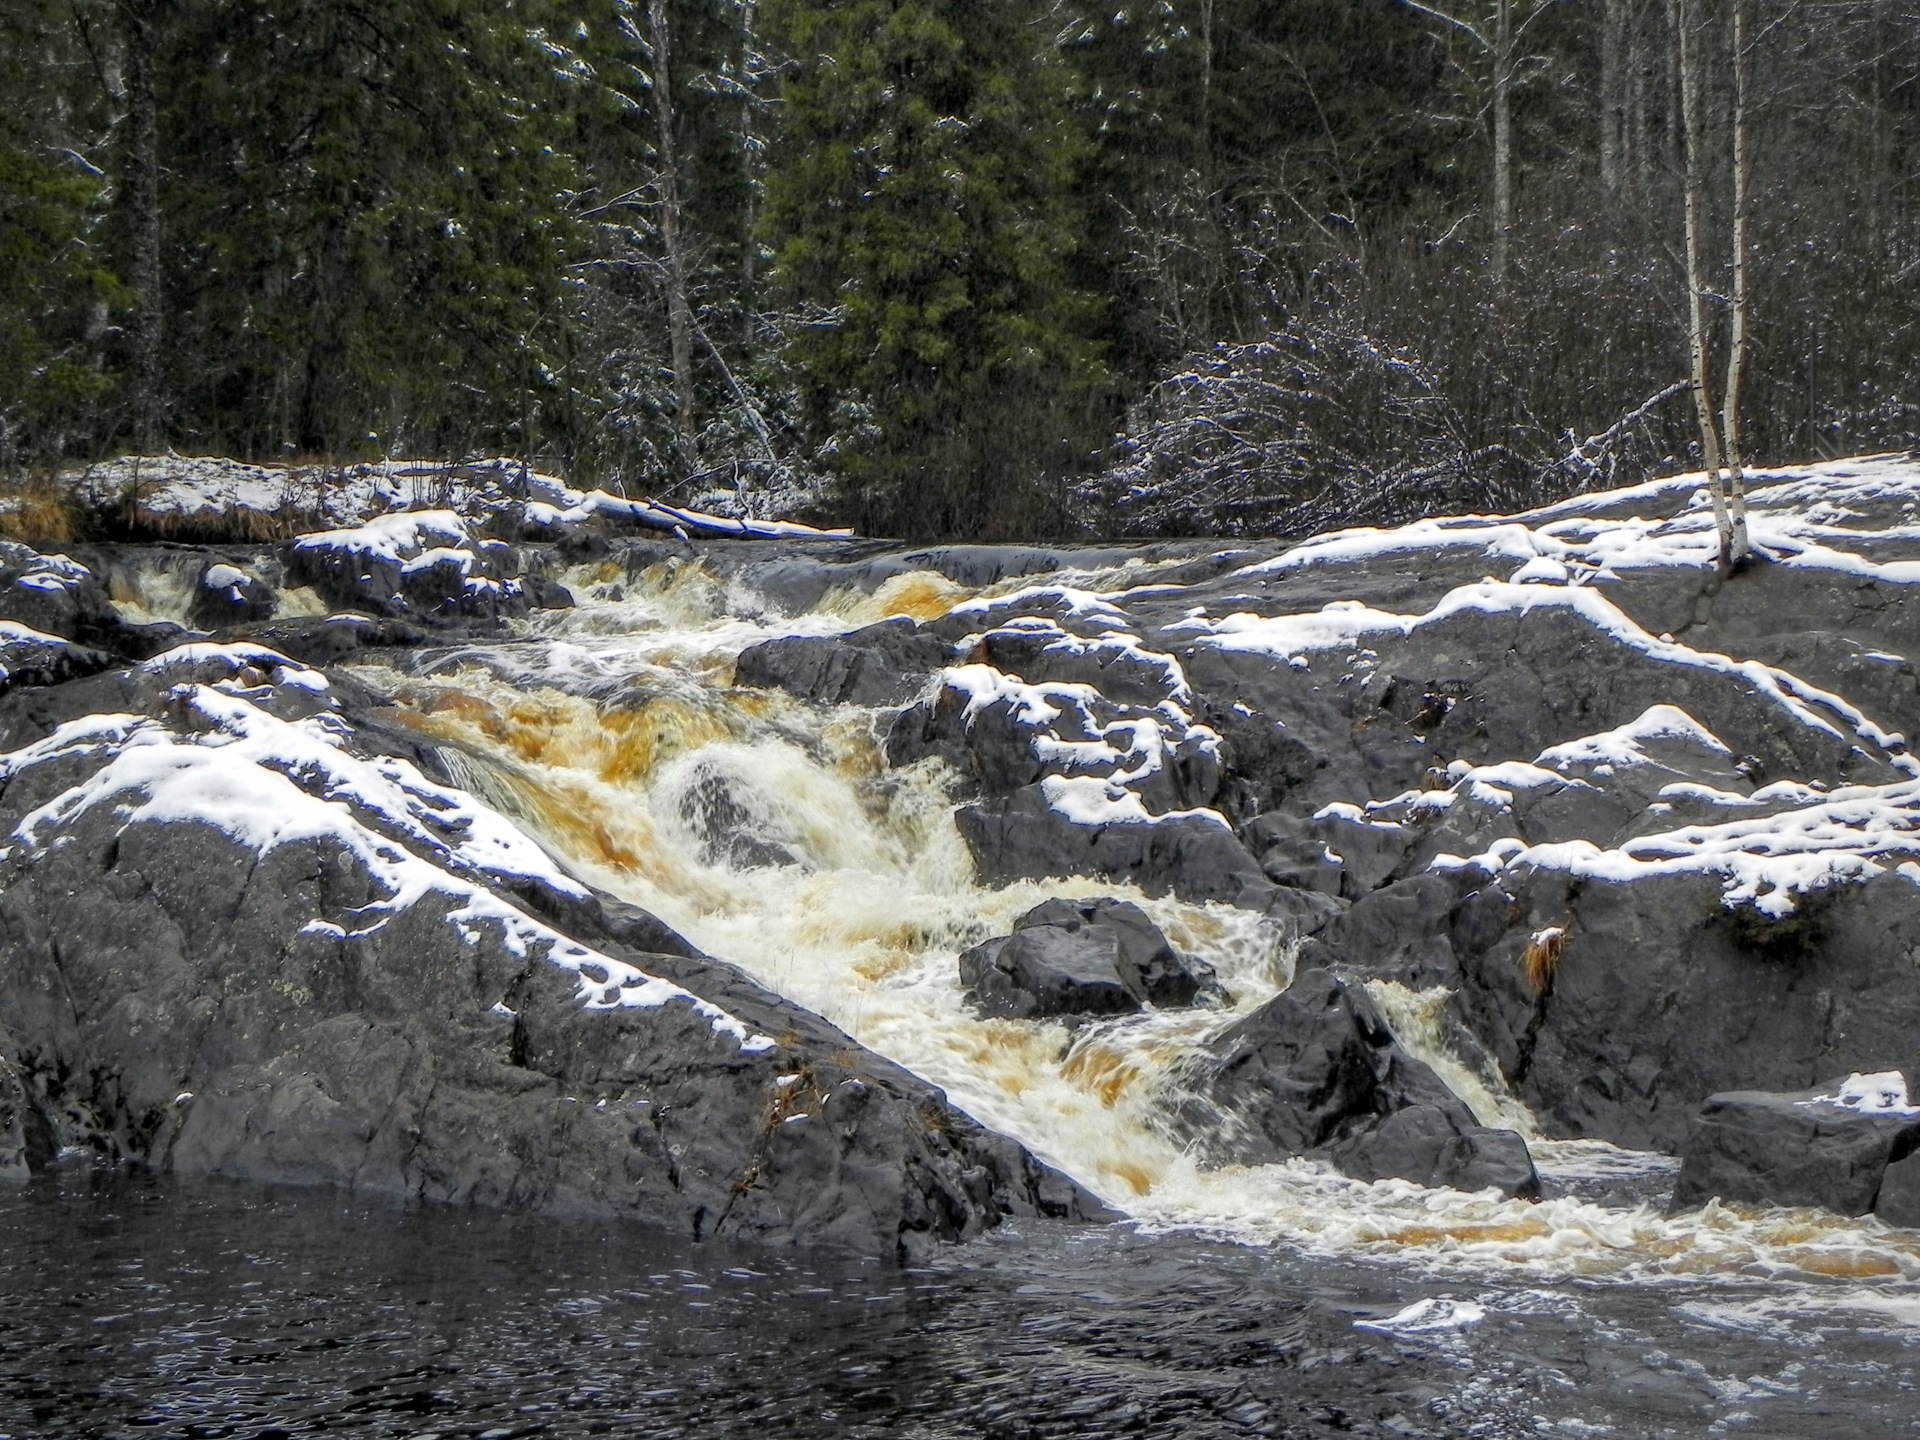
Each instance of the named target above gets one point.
<point>238,524</point>
<point>38,511</point>
<point>1541,958</point>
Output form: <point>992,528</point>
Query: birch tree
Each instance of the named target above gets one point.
<point>1719,433</point>
<point>1496,32</point>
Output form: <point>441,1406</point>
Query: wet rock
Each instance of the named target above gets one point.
<point>249,990</point>
<point>883,664</point>
<point>1048,970</point>
<point>1315,1071</point>
<point>1663,996</point>
<point>1898,1202</point>
<point>732,830</point>
<point>1080,957</point>
<point>328,639</point>
<point>414,564</point>
<point>1149,965</point>
<point>1798,1148</point>
<point>227,594</point>
<point>1195,857</point>
<point>26,1143</point>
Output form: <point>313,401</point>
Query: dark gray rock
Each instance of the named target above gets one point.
<point>227,594</point>
<point>1315,1071</point>
<point>26,1140</point>
<point>1150,967</point>
<point>1755,1148</point>
<point>1898,1202</point>
<point>1122,672</point>
<point>1080,957</point>
<point>883,664</point>
<point>439,573</point>
<point>1662,996</point>
<point>29,659</point>
<point>1435,1142</point>
<point>1195,857</point>
<point>1045,970</point>
<point>175,997</point>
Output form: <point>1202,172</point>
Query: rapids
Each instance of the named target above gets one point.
<point>772,833</point>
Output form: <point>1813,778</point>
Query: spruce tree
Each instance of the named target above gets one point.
<point>919,206</point>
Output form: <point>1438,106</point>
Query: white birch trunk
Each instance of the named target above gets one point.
<point>672,231</point>
<point>1502,135</point>
<point>1738,546</point>
<point>1690,105</point>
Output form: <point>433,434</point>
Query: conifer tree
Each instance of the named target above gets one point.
<point>919,204</point>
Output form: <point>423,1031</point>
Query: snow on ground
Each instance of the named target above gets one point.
<point>266,780</point>
<point>1823,517</point>
<point>298,497</point>
<point>1853,521</point>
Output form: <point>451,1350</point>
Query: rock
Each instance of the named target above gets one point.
<point>271,959</point>
<point>1664,996</point>
<point>1898,1202</point>
<point>1193,856</point>
<point>884,664</point>
<point>1437,1144</point>
<point>411,564</point>
<point>1079,957</point>
<point>50,593</point>
<point>1149,966</point>
<point>29,658</point>
<point>1315,1071</point>
<point>26,1142</point>
<point>226,595</point>
<point>732,830</point>
<point>1800,1148</point>
<point>1048,970</point>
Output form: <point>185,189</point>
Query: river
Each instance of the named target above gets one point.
<point>1277,1299</point>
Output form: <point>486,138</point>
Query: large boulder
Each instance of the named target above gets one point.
<point>1316,1072</point>
<point>1149,965</point>
<point>1048,970</point>
<point>423,564</point>
<point>1042,831</point>
<point>1660,994</point>
<point>883,664</point>
<point>227,594</point>
<point>1079,957</point>
<point>1830,1147</point>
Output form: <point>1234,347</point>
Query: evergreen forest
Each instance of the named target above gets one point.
<point>966,268</point>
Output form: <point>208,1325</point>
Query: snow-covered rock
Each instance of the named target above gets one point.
<point>246,937</point>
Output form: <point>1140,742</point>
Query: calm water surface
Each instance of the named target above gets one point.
<point>134,1308</point>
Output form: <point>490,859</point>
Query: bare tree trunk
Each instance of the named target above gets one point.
<point>749,161</point>
<point>143,192</point>
<point>1636,123</point>
<point>1502,135</point>
<point>672,230</point>
<point>1693,196</point>
<point>1612,104</point>
<point>1206,92</point>
<point>1737,337</point>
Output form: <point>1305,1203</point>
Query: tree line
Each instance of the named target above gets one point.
<point>969,267</point>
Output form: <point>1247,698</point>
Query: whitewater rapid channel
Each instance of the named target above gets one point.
<point>1242,1300</point>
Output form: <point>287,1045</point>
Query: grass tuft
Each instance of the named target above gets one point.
<point>1541,958</point>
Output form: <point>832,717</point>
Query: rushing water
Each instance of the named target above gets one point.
<point>772,834</point>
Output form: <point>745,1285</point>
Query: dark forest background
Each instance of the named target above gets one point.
<point>950,267</point>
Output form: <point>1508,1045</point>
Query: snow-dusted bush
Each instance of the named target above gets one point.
<point>1312,427</point>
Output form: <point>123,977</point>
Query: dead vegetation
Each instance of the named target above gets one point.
<point>1541,959</point>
